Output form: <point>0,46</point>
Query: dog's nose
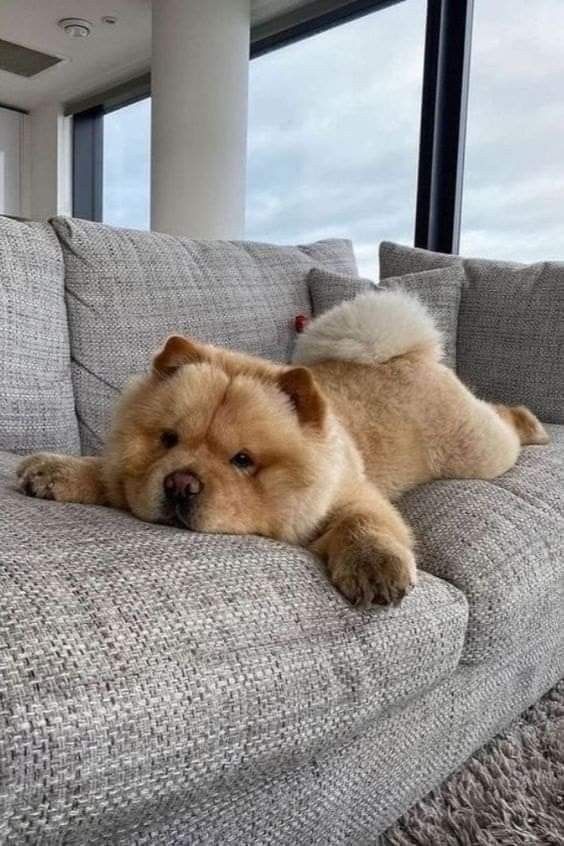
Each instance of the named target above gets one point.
<point>182,484</point>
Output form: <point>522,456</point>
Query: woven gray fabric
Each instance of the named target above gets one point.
<point>397,259</point>
<point>510,329</point>
<point>501,543</point>
<point>508,794</point>
<point>36,396</point>
<point>348,794</point>
<point>147,667</point>
<point>328,289</point>
<point>127,290</point>
<point>440,290</point>
<point>160,687</point>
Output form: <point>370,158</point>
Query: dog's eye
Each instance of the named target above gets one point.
<point>169,438</point>
<point>242,461</point>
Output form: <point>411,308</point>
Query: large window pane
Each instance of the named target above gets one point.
<point>513,200</point>
<point>127,155</point>
<point>333,134</point>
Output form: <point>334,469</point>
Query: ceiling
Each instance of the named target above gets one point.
<point>112,54</point>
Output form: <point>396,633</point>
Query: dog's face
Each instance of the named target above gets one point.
<point>217,442</point>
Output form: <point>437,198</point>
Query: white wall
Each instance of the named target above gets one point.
<point>11,161</point>
<point>200,66</point>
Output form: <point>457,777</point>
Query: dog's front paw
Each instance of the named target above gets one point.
<point>368,573</point>
<point>45,476</point>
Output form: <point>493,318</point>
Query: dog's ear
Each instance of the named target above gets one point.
<point>300,386</point>
<point>176,352</point>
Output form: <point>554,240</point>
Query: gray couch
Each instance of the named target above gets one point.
<point>163,687</point>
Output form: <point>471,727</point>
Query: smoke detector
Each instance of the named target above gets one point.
<point>75,27</point>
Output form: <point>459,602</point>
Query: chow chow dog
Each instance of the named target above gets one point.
<point>312,453</point>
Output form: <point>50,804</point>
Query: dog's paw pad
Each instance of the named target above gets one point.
<point>41,476</point>
<point>374,577</point>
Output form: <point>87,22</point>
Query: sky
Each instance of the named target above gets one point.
<point>333,136</point>
<point>126,166</point>
<point>513,199</point>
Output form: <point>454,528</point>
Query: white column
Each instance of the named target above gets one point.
<point>199,84</point>
<point>47,163</point>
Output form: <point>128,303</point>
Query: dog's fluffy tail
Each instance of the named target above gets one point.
<point>371,329</point>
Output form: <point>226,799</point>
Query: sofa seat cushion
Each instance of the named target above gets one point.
<point>502,544</point>
<point>36,394</point>
<point>136,658</point>
<point>127,290</point>
<point>510,345</point>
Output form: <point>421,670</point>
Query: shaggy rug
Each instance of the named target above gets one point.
<point>510,793</point>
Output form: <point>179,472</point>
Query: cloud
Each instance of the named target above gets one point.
<point>334,131</point>
<point>127,166</point>
<point>333,134</point>
<point>334,125</point>
<point>513,200</point>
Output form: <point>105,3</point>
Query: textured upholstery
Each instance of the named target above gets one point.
<point>161,687</point>
<point>440,290</point>
<point>397,259</point>
<point>510,329</point>
<point>36,397</point>
<point>328,289</point>
<point>127,290</point>
<point>502,544</point>
<point>147,664</point>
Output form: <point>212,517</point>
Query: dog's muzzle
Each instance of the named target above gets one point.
<point>182,489</point>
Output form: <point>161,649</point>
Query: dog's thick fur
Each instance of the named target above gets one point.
<point>326,447</point>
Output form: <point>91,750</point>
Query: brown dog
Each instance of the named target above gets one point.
<point>216,441</point>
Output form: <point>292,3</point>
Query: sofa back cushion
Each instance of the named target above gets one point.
<point>36,395</point>
<point>328,289</point>
<point>439,290</point>
<point>127,290</point>
<point>510,344</point>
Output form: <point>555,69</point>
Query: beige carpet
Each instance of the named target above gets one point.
<point>510,793</point>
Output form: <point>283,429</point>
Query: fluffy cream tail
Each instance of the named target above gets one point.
<point>370,329</point>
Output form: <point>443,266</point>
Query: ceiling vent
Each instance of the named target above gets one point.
<point>23,61</point>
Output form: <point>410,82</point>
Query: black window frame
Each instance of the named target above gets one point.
<point>88,143</point>
<point>442,133</point>
<point>88,163</point>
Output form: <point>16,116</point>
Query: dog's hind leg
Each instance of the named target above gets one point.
<point>487,439</point>
<point>527,426</point>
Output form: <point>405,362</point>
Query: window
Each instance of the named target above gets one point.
<point>513,200</point>
<point>333,134</point>
<point>126,166</point>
